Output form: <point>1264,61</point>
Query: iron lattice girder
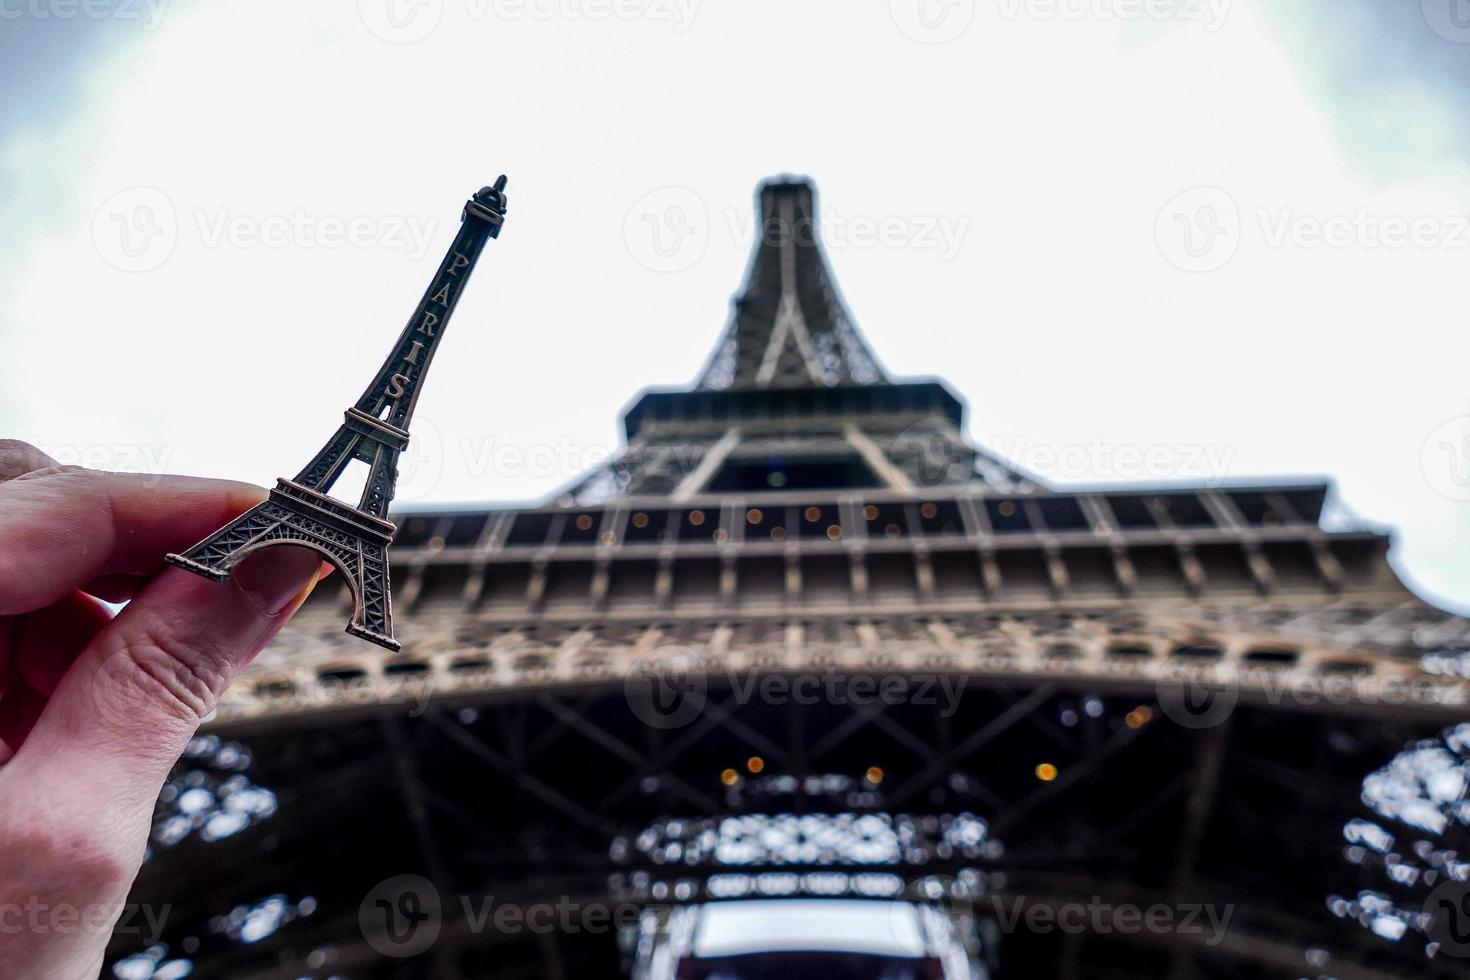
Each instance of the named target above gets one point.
<point>1139,648</point>
<point>631,562</point>
<point>566,795</point>
<point>936,516</point>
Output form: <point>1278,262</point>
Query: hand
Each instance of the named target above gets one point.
<point>95,710</point>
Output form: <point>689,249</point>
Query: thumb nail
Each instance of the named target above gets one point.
<point>277,575</point>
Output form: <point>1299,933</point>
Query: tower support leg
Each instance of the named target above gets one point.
<point>356,543</point>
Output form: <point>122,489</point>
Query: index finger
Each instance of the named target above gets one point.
<point>61,528</point>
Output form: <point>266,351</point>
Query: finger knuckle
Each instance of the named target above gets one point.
<point>17,448</point>
<point>17,458</point>
<point>153,668</point>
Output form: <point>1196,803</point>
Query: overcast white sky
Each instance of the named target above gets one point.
<point>1181,240</point>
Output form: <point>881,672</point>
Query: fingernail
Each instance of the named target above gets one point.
<point>277,575</point>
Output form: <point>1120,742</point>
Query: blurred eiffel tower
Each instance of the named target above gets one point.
<point>570,717</point>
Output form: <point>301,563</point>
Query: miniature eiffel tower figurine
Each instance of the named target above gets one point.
<point>355,539</point>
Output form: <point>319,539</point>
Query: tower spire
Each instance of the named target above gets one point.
<point>789,328</point>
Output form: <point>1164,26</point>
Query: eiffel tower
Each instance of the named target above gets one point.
<point>374,433</point>
<point>663,688</point>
